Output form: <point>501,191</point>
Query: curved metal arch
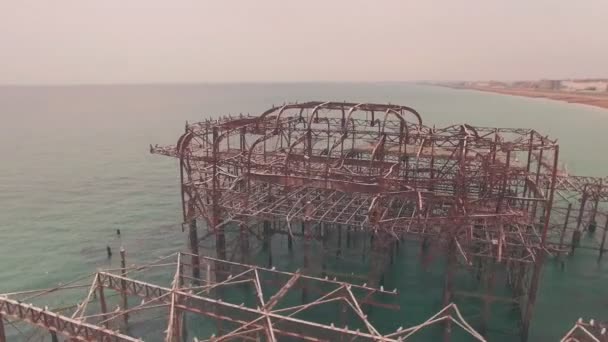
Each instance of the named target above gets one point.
<point>257,141</point>
<point>412,111</point>
<point>395,113</point>
<point>375,151</point>
<point>288,154</point>
<point>315,112</point>
<point>351,111</point>
<point>276,126</point>
<point>466,129</point>
<point>316,105</point>
<point>281,109</point>
<point>182,142</point>
<point>268,112</point>
<point>336,144</point>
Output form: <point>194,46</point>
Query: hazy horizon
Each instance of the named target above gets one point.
<point>70,42</point>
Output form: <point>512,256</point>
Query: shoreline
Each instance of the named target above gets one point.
<point>595,100</point>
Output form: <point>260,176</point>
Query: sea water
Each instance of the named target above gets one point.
<point>76,167</point>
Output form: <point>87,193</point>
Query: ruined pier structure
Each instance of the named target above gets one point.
<point>494,199</point>
<point>251,303</point>
<point>332,180</point>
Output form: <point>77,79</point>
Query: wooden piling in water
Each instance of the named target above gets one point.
<point>244,242</point>
<point>267,243</point>
<point>487,301</point>
<point>123,286</point>
<point>306,250</point>
<point>193,239</point>
<point>448,286</point>
<point>348,237</point>
<point>2,332</point>
<point>579,220</point>
<point>592,224</point>
<point>603,239</point>
<point>102,303</point>
<point>561,238</point>
<point>339,242</point>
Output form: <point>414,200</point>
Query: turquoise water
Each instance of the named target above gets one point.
<point>75,167</point>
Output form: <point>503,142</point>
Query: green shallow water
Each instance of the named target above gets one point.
<point>75,167</point>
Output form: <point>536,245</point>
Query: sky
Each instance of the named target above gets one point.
<point>172,41</point>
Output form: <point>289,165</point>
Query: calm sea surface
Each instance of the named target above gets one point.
<point>75,167</point>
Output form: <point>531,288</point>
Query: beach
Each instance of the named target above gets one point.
<point>591,99</point>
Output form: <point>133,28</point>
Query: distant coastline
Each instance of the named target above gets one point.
<point>592,99</point>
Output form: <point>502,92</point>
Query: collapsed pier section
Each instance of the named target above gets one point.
<point>251,304</point>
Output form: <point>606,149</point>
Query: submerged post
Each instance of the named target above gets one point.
<point>102,303</point>
<point>2,333</point>
<point>339,242</point>
<point>603,239</point>
<point>579,220</point>
<point>123,287</point>
<point>289,242</point>
<point>540,259</point>
<point>487,300</point>
<point>193,238</point>
<point>267,244</point>
<point>244,242</point>
<point>348,237</point>
<point>216,219</point>
<point>306,246</point>
<point>448,286</point>
<point>592,224</point>
<point>561,238</point>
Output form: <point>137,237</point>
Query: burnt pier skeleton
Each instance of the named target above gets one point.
<point>490,196</point>
<point>270,316</point>
<point>336,179</point>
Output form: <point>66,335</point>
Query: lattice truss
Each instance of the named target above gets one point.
<point>376,168</point>
<point>486,194</point>
<point>244,302</point>
<point>591,331</point>
<point>581,204</point>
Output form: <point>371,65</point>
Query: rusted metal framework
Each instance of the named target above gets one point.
<point>592,331</point>
<point>580,206</point>
<point>250,303</point>
<point>494,198</point>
